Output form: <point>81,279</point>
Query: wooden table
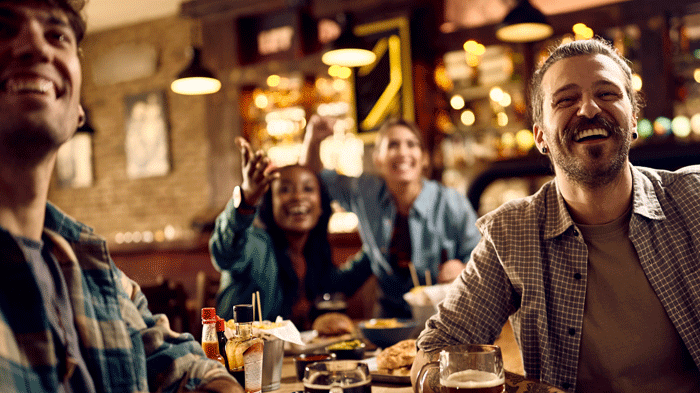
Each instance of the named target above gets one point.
<point>289,382</point>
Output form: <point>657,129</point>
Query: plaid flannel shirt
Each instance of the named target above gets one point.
<point>531,266</point>
<point>125,347</point>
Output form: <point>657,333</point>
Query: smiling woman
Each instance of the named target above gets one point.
<point>285,257</point>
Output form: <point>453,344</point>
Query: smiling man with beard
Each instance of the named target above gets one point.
<point>599,271</point>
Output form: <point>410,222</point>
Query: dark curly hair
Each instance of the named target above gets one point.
<point>72,8</point>
<point>317,249</point>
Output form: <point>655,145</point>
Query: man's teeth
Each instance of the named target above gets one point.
<point>591,132</point>
<point>34,85</point>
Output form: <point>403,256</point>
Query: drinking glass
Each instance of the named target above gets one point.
<point>337,376</point>
<point>467,368</point>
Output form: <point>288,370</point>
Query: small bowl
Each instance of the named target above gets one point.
<point>384,337</point>
<point>304,359</point>
<point>348,350</point>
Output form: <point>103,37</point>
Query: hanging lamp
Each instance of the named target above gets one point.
<point>347,50</point>
<point>524,23</point>
<point>195,79</point>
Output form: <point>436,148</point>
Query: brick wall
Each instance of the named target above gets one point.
<point>115,203</point>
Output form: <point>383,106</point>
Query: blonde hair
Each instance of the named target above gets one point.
<point>393,122</point>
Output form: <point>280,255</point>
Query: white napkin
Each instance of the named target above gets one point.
<point>426,295</point>
<point>282,329</point>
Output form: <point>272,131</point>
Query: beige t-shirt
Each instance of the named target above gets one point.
<point>628,342</point>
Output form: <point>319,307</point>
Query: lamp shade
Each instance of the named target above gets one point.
<point>195,79</point>
<point>524,23</point>
<point>347,50</point>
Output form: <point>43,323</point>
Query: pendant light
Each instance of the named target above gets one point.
<point>524,23</point>
<point>195,79</point>
<point>347,50</point>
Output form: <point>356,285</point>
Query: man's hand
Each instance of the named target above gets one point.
<point>431,379</point>
<point>221,386</point>
<point>514,383</point>
<point>257,171</point>
<point>518,384</point>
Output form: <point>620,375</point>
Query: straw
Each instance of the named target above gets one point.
<point>414,275</point>
<point>252,302</point>
<point>428,279</point>
<point>257,294</point>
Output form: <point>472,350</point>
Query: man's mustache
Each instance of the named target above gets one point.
<point>596,121</point>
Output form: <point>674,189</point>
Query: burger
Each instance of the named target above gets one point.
<point>333,324</point>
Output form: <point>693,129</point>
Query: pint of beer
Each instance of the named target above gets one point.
<point>468,368</point>
<point>474,381</point>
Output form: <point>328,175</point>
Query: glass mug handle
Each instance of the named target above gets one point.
<point>422,374</point>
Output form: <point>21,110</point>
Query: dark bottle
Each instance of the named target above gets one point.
<point>220,328</point>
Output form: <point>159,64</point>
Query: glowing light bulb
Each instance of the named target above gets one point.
<point>680,126</point>
<point>457,102</point>
<point>467,117</point>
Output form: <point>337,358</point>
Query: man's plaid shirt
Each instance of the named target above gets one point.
<point>531,265</point>
<point>125,347</point>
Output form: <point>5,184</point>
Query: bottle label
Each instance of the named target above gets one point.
<point>252,358</point>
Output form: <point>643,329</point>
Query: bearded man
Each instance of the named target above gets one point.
<point>599,271</point>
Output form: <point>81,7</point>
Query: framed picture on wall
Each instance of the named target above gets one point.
<point>74,162</point>
<point>147,130</point>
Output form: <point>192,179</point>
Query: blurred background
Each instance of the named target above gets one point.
<point>152,168</point>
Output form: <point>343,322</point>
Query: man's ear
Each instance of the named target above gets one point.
<point>539,136</point>
<point>81,116</point>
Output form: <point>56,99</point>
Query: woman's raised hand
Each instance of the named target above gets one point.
<point>257,171</point>
<point>319,128</point>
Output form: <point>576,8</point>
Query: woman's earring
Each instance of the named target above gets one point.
<point>545,150</point>
<point>635,135</point>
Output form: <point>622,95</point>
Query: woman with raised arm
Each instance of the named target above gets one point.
<point>285,256</point>
<point>404,217</point>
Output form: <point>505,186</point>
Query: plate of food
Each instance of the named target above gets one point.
<point>393,364</point>
<point>328,328</point>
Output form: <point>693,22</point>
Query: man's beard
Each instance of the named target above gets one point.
<point>593,176</point>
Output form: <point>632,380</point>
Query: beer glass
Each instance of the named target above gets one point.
<point>337,376</point>
<point>467,368</point>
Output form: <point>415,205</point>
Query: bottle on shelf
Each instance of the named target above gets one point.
<point>221,338</point>
<point>210,343</point>
<point>244,350</point>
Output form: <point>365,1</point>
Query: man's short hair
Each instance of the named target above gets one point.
<point>577,48</point>
<point>72,8</point>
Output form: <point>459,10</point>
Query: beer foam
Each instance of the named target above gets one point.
<point>472,379</point>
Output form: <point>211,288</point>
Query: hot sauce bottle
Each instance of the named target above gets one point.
<point>210,343</point>
<point>244,350</point>
<point>221,338</point>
